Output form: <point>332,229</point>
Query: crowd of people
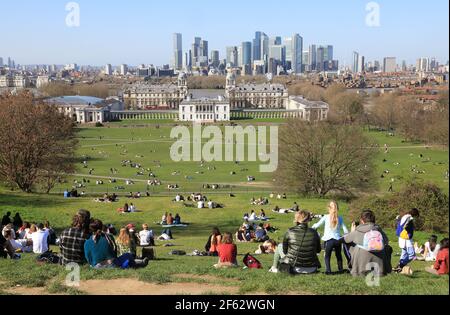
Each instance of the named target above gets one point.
<point>365,245</point>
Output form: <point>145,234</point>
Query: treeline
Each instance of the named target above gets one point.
<point>101,90</point>
<point>403,114</point>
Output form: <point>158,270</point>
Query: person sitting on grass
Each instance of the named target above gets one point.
<point>301,245</point>
<point>262,215</point>
<point>216,239</point>
<point>6,219</point>
<point>125,243</point>
<point>23,230</point>
<point>166,235</point>
<point>253,216</point>
<point>5,246</point>
<point>164,219</point>
<point>243,234</point>
<point>441,266</point>
<point>21,245</point>
<point>146,237</point>
<point>72,240</point>
<point>51,233</point>
<point>360,256</point>
<point>17,221</point>
<point>125,209</point>
<point>170,219</point>
<point>40,240</point>
<point>177,219</point>
<point>227,252</point>
<point>332,234</point>
<point>97,250</point>
<point>268,247</point>
<point>431,249</point>
<point>261,234</point>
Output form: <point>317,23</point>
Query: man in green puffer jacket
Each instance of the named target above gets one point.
<point>301,245</point>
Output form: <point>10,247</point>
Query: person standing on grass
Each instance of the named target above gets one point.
<point>405,233</point>
<point>332,234</point>
<point>72,240</point>
<point>227,252</point>
<point>441,266</point>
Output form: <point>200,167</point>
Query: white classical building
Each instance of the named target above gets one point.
<point>205,110</point>
<point>308,110</point>
<point>255,96</point>
<point>17,81</point>
<point>86,109</point>
<point>161,96</point>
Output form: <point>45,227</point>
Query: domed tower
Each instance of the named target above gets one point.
<point>182,83</point>
<point>230,83</point>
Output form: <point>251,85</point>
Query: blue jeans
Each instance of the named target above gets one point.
<point>408,254</point>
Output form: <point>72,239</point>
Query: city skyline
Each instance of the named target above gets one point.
<point>101,39</point>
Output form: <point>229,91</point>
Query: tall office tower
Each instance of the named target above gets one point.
<point>177,51</point>
<point>123,69</point>
<point>232,56</point>
<point>389,64</point>
<point>422,65</point>
<point>246,53</point>
<point>257,46</point>
<point>320,61</point>
<point>273,41</point>
<point>278,54</point>
<point>1,62</point>
<point>404,66</point>
<point>361,64</point>
<point>312,57</point>
<point>186,61</point>
<point>294,53</point>
<point>355,62</point>
<point>329,53</point>
<point>434,65</point>
<point>196,51</point>
<point>9,62</point>
<point>376,65</point>
<point>265,48</point>
<point>108,69</point>
<point>204,52</point>
<point>305,61</point>
<point>215,58</point>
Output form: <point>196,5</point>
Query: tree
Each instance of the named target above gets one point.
<point>346,108</point>
<point>322,158</point>
<point>37,143</point>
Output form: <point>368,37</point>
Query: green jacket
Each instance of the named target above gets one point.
<point>301,246</point>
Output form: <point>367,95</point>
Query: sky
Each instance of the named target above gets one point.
<point>141,31</point>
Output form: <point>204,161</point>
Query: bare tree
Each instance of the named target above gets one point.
<point>321,158</point>
<point>37,143</point>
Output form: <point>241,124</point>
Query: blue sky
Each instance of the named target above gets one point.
<point>138,31</point>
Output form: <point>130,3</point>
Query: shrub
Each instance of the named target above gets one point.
<point>98,124</point>
<point>428,198</point>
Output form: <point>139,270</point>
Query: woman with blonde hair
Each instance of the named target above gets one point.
<point>332,234</point>
<point>125,243</point>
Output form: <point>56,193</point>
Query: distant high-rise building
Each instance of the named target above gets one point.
<point>257,46</point>
<point>177,51</point>
<point>204,52</point>
<point>389,64</point>
<point>423,65</point>
<point>361,64</point>
<point>1,62</point>
<point>232,56</point>
<point>108,69</point>
<point>312,57</point>
<point>123,69</point>
<point>305,61</point>
<point>320,58</point>
<point>404,66</point>
<point>355,62</point>
<point>278,53</point>
<point>294,52</point>
<point>9,62</point>
<point>246,53</point>
<point>274,41</point>
<point>215,58</point>
<point>329,53</point>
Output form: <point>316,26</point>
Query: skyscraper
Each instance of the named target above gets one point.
<point>355,62</point>
<point>177,51</point>
<point>1,62</point>
<point>389,64</point>
<point>305,61</point>
<point>108,69</point>
<point>320,61</point>
<point>215,58</point>
<point>257,46</point>
<point>123,69</point>
<point>294,52</point>
<point>246,53</point>
<point>232,56</point>
<point>312,57</point>
<point>361,64</point>
<point>204,48</point>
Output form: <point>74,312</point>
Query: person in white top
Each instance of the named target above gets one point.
<point>146,236</point>
<point>200,204</point>
<point>253,216</point>
<point>40,240</point>
<point>431,249</point>
<point>132,208</point>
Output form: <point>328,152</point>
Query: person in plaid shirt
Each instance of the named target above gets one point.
<point>72,240</point>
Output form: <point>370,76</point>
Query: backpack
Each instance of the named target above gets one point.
<point>251,262</point>
<point>401,229</point>
<point>373,241</point>
<point>48,258</point>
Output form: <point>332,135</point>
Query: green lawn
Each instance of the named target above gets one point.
<point>150,147</point>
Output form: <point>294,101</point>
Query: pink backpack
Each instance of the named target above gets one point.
<point>373,241</point>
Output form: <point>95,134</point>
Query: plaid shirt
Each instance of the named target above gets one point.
<point>72,246</point>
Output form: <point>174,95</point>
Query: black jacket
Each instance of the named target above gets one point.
<point>301,246</point>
